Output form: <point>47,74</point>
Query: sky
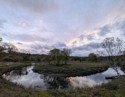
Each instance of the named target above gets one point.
<point>37,26</point>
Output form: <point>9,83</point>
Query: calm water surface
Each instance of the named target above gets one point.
<point>28,78</point>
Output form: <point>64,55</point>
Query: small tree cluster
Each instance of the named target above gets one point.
<point>92,57</point>
<point>7,51</point>
<point>58,55</point>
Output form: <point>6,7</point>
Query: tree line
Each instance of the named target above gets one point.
<point>112,51</point>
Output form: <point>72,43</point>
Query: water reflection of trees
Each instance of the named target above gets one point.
<point>16,74</point>
<point>20,72</point>
<point>56,82</point>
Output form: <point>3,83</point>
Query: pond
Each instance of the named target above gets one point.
<point>28,78</point>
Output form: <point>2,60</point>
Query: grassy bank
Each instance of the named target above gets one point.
<point>108,90</point>
<point>74,68</point>
<point>8,89</point>
<point>8,66</point>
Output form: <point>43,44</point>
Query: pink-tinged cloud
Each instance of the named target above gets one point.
<point>76,24</point>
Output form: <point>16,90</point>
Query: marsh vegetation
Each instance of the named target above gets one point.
<point>58,74</point>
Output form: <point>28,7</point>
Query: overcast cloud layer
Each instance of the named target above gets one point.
<point>37,26</point>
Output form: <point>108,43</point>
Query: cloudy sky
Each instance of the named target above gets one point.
<point>36,26</point>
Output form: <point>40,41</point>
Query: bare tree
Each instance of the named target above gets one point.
<point>113,49</point>
<point>10,48</point>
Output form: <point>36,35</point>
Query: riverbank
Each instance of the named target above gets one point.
<point>8,89</point>
<point>110,89</point>
<point>72,69</point>
<point>8,66</point>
